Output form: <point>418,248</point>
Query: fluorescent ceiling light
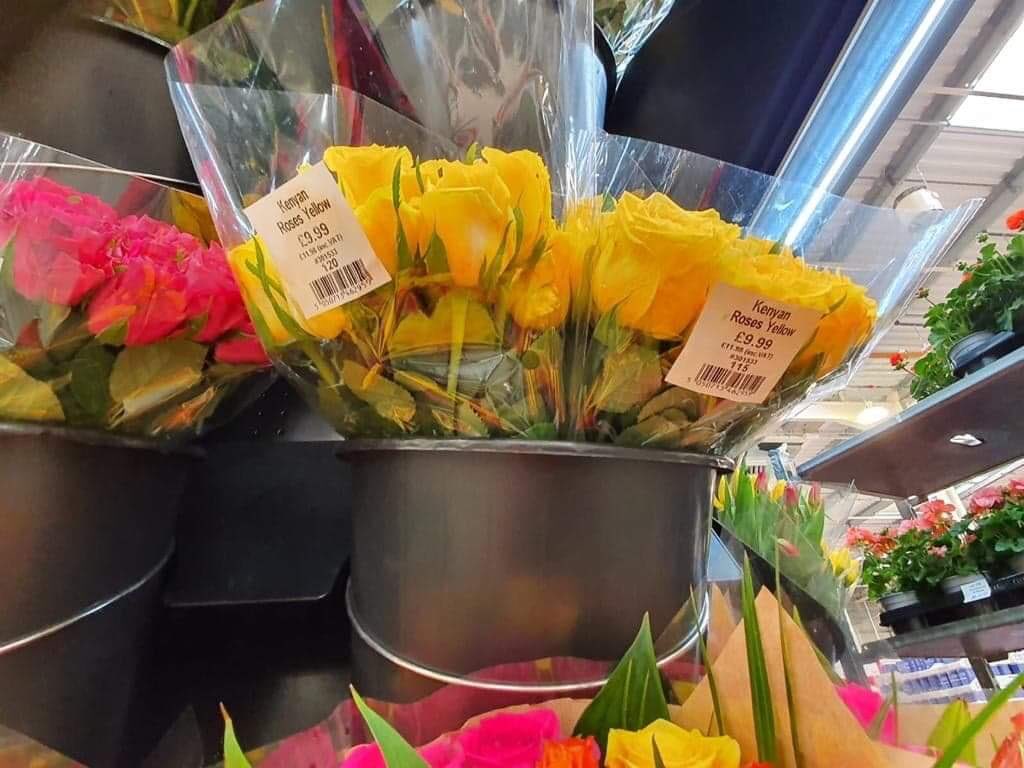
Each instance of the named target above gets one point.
<point>1002,76</point>
<point>872,414</point>
<point>867,118</point>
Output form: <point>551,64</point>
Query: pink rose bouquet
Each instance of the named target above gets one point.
<point>114,322</point>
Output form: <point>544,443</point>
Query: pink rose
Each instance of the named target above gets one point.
<point>60,239</point>
<point>865,704</point>
<point>212,295</point>
<point>442,753</point>
<point>242,349</point>
<point>509,740</point>
<point>986,500</point>
<point>146,294</point>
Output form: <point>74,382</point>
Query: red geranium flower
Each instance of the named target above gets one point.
<point>1015,221</point>
<point>897,359</point>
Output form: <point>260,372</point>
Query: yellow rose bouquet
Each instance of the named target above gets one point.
<point>465,336</point>
<point>431,247</point>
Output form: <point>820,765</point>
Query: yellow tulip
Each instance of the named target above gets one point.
<point>529,185</point>
<point>678,748</point>
<point>471,226</point>
<point>361,171</point>
<point>657,263</point>
<point>722,495</point>
<point>778,490</point>
<point>539,295</point>
<point>420,333</point>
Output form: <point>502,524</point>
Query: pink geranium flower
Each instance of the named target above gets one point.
<point>986,500</point>
<point>509,740</point>
<point>1016,486</point>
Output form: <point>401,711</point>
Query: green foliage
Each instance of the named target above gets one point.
<point>911,563</point>
<point>757,668</point>
<point>761,516</point>
<point>234,757</point>
<point>991,298</point>
<point>397,752</point>
<point>633,697</point>
<point>998,534</point>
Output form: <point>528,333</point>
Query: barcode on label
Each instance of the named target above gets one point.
<point>734,381</point>
<point>345,279</point>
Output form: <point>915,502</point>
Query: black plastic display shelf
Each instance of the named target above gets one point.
<point>992,636</point>
<point>928,446</point>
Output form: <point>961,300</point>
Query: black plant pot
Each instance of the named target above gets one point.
<point>86,528</point>
<point>974,352</point>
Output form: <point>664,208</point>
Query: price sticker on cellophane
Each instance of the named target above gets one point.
<point>741,345</point>
<point>315,241</point>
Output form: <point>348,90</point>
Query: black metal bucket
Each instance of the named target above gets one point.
<point>86,528</point>
<point>474,559</point>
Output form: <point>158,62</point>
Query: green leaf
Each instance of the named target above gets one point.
<point>674,397</point>
<point>654,431</point>
<point>705,658</point>
<point>50,318</point>
<point>760,689</point>
<point>517,213</point>
<point>114,335</point>
<point>390,400</point>
<point>962,741</point>
<point>24,398</point>
<point>90,379</point>
<point>543,431</point>
<point>397,752</point>
<point>632,698</point>
<point>234,757</point>
<point>472,153</point>
<point>787,668</point>
<point>954,719</point>
<point>146,377</point>
<point>436,256</point>
<point>659,762</point>
<point>607,203</point>
<point>628,379</point>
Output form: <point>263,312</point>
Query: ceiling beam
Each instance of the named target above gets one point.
<point>983,49</point>
<point>999,200</point>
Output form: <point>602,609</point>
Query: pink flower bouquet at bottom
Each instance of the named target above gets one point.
<point>111,318</point>
<point>766,701</point>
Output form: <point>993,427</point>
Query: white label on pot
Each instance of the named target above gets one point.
<point>976,590</point>
<point>741,345</point>
<point>316,243</point>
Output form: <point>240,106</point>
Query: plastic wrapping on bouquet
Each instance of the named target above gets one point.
<point>88,526</point>
<point>473,556</point>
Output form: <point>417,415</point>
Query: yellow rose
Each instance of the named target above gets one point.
<point>419,333</point>
<point>377,218</point>
<point>242,259</point>
<point>470,224</point>
<point>656,263</point>
<point>679,748</point>
<point>849,314</point>
<point>539,296</point>
<point>529,185</point>
<point>328,325</point>
<point>361,171</point>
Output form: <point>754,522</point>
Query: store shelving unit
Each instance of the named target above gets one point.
<point>914,453</point>
<point>971,427</point>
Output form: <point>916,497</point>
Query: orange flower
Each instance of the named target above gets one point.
<point>1015,221</point>
<point>571,753</point>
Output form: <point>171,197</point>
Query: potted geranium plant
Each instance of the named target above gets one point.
<point>917,563</point>
<point>994,528</point>
<point>980,320</point>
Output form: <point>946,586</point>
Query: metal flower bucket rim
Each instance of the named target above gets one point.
<point>97,439</point>
<point>349,449</point>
